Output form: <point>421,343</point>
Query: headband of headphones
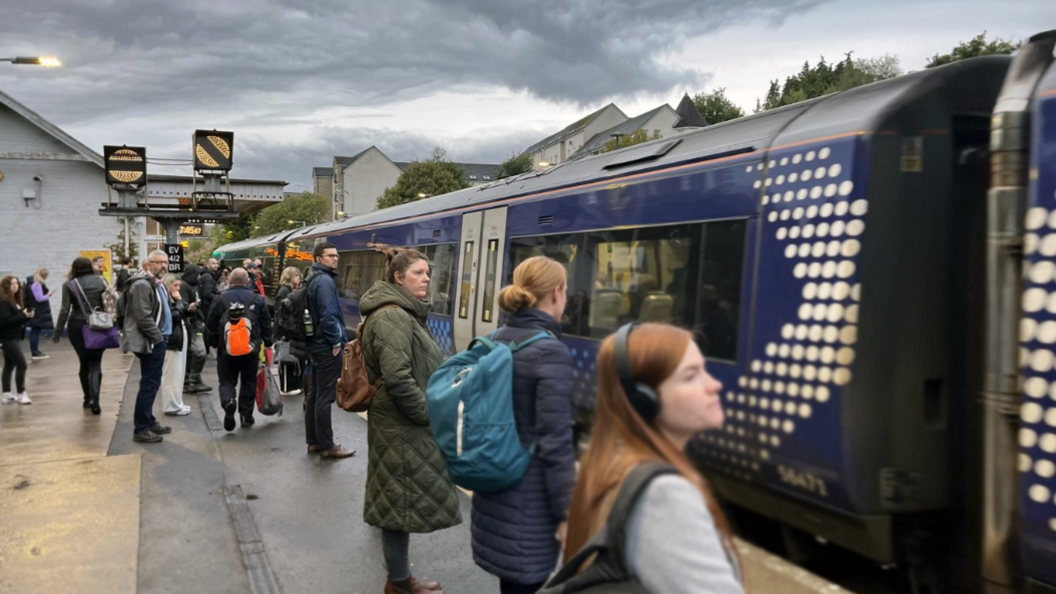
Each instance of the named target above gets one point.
<point>642,397</point>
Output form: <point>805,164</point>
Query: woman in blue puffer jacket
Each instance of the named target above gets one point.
<point>518,532</point>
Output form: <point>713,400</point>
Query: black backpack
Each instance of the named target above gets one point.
<point>289,313</point>
<point>608,575</point>
<point>122,300</point>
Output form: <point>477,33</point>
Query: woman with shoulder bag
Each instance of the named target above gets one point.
<point>173,369</point>
<point>530,518</point>
<point>82,294</point>
<point>654,394</point>
<point>408,489</point>
<point>13,318</point>
<point>38,299</point>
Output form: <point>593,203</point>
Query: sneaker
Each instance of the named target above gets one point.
<point>23,398</point>
<point>179,413</point>
<point>147,436</point>
<point>8,398</point>
<point>229,416</point>
<point>248,421</point>
<point>36,356</point>
<point>160,429</point>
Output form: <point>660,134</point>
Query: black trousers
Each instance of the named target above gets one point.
<point>194,362</point>
<point>14,362</point>
<point>508,587</point>
<point>241,370</point>
<point>91,369</point>
<point>318,404</point>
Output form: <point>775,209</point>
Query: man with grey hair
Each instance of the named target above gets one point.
<point>238,368</point>
<point>145,332</point>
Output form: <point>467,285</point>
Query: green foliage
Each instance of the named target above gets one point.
<point>306,206</point>
<point>715,107</point>
<point>824,78</point>
<point>977,46</point>
<point>626,140</point>
<point>118,248</point>
<point>236,230</point>
<point>515,165</point>
<point>432,177</point>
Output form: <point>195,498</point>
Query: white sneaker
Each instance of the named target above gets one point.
<point>23,398</point>
<point>8,398</point>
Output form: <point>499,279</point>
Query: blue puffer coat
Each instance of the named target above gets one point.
<point>513,530</point>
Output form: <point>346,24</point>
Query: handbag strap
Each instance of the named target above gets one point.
<point>82,299</point>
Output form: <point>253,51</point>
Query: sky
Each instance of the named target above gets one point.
<point>300,81</point>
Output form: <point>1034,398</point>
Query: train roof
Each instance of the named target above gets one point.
<point>861,110</point>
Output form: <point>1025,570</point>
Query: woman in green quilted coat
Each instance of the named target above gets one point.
<point>408,489</point>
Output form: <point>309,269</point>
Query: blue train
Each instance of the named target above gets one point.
<point>870,275</point>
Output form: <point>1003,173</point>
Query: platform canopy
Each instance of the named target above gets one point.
<point>170,196</point>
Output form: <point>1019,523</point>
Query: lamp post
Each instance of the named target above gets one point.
<point>46,62</point>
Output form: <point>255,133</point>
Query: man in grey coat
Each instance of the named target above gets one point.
<point>146,329</point>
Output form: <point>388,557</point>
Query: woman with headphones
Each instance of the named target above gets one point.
<point>654,394</point>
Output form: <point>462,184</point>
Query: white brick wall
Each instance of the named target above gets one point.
<point>64,218</point>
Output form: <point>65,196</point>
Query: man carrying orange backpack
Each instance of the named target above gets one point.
<point>237,324</point>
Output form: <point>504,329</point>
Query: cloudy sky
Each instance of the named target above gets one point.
<point>302,80</point>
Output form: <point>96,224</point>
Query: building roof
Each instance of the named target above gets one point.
<point>688,114</point>
<point>474,171</point>
<point>569,130</point>
<point>53,130</point>
<point>624,128</point>
<point>322,172</point>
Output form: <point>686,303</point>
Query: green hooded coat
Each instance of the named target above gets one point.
<point>408,488</point>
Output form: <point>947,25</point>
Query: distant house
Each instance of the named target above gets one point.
<point>323,181</point>
<point>559,147</point>
<point>660,120</point>
<point>358,181</point>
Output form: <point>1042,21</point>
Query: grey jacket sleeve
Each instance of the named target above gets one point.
<point>142,312</point>
<point>672,543</point>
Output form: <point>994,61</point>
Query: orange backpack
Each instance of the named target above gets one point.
<point>238,330</point>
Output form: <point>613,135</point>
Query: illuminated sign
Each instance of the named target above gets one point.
<point>213,150</point>
<point>190,229</point>
<point>125,165</point>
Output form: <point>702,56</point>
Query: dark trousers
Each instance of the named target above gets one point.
<point>240,370</point>
<point>34,340</point>
<point>14,362</point>
<point>195,360</point>
<point>150,367</point>
<point>318,430</point>
<point>508,587</point>
<point>91,370</point>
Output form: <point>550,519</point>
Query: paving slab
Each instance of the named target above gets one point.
<point>770,574</point>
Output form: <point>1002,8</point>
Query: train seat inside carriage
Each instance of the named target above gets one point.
<point>658,307</point>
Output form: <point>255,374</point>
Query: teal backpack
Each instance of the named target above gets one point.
<point>470,400</point>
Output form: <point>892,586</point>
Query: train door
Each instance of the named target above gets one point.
<point>490,259</point>
<point>465,297</point>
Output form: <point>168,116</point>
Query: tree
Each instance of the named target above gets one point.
<point>305,207</point>
<point>977,46</point>
<point>431,177</point>
<point>118,248</point>
<point>715,107</point>
<point>626,140</point>
<point>824,78</point>
<point>236,230</point>
<point>515,165</point>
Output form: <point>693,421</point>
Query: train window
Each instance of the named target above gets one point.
<point>566,250</point>
<point>720,267</point>
<point>467,281</point>
<point>441,274</point>
<point>358,271</point>
<point>490,280</point>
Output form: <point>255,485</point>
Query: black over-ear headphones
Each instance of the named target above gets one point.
<point>642,397</point>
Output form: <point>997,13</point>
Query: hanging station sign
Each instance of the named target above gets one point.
<point>125,165</point>
<point>213,150</point>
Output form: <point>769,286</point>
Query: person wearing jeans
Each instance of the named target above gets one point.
<point>38,299</point>
<point>148,322</point>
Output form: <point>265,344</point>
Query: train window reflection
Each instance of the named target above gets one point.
<point>490,280</point>
<point>441,274</point>
<point>467,281</point>
<point>358,271</point>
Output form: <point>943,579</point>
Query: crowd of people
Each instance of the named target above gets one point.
<point>654,393</point>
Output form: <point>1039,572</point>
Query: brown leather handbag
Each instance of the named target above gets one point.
<point>355,392</point>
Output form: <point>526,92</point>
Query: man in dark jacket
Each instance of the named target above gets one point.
<point>207,288</point>
<point>324,347</point>
<point>195,322</point>
<point>242,368</point>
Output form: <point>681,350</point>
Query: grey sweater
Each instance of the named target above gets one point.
<point>673,546</point>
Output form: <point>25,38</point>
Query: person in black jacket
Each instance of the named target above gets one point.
<point>82,294</point>
<point>38,298</point>
<point>241,368</point>
<point>531,516</point>
<point>207,284</point>
<point>194,322</point>
<point>291,375</point>
<point>13,318</point>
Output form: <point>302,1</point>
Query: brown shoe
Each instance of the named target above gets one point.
<point>420,586</point>
<point>337,452</point>
<point>313,449</point>
<point>410,586</point>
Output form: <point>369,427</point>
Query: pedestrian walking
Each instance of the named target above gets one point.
<point>236,326</point>
<point>654,394</point>
<point>324,347</point>
<point>83,286</point>
<point>13,318</point>
<point>128,270</point>
<point>223,283</point>
<point>147,326</point>
<point>110,296</point>
<point>531,516</point>
<point>408,489</point>
<point>290,373</point>
<point>172,373</point>
<point>194,326</point>
<point>208,284</point>
<point>38,299</point>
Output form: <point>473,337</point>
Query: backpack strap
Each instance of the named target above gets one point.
<point>610,543</point>
<point>524,340</point>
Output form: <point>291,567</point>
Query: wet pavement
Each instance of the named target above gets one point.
<point>86,509</point>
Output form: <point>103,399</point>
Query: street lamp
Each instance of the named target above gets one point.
<point>302,223</point>
<point>424,195</point>
<point>46,62</point>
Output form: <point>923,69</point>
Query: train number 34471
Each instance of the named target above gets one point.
<point>803,480</point>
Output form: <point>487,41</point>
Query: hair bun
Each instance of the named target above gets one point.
<point>513,298</point>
